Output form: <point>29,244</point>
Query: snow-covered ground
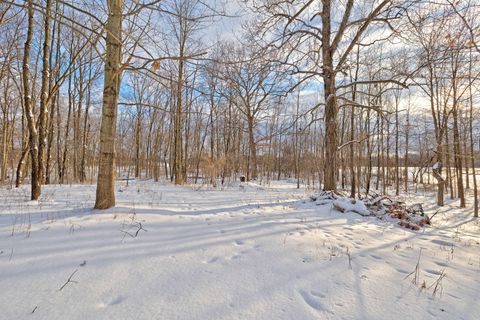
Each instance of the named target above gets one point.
<point>169,252</point>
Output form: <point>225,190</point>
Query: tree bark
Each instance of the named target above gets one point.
<point>252,146</point>
<point>43,117</point>
<point>33,136</point>
<point>178,158</point>
<point>105,194</point>
<point>330,181</point>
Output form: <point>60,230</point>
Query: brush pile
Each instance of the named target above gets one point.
<point>383,207</point>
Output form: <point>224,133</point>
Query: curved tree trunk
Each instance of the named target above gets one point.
<point>436,170</point>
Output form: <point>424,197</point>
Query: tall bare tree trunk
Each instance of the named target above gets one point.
<point>56,35</point>
<point>397,156</point>
<point>252,147</point>
<point>43,117</point>
<point>457,150</point>
<point>105,196</point>
<point>330,181</point>
<point>405,157</point>
<point>5,129</point>
<point>472,144</point>
<point>178,158</point>
<point>24,152</point>
<point>32,138</point>
<point>369,153</point>
<point>83,175</point>
<point>353,183</point>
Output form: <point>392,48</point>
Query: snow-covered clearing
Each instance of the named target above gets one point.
<point>169,252</point>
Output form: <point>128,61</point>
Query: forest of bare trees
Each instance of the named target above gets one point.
<point>374,95</point>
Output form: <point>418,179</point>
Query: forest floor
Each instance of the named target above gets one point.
<point>258,252</point>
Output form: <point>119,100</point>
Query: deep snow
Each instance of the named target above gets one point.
<point>240,253</point>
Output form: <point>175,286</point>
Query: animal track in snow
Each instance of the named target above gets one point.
<point>233,257</point>
<point>441,263</point>
<point>442,243</point>
<point>317,294</point>
<point>311,300</point>
<point>454,296</point>
<point>434,272</point>
<point>402,271</point>
<point>211,260</point>
<point>239,243</point>
<point>111,302</point>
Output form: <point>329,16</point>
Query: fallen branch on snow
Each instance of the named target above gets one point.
<point>69,280</point>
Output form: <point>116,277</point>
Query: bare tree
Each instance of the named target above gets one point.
<point>305,25</point>
<point>105,197</point>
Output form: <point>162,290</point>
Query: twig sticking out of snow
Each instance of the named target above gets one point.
<point>69,280</point>
<point>133,224</point>
<point>438,283</point>
<point>137,225</point>
<point>433,215</point>
<point>349,259</point>
<point>416,271</point>
<point>285,239</point>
